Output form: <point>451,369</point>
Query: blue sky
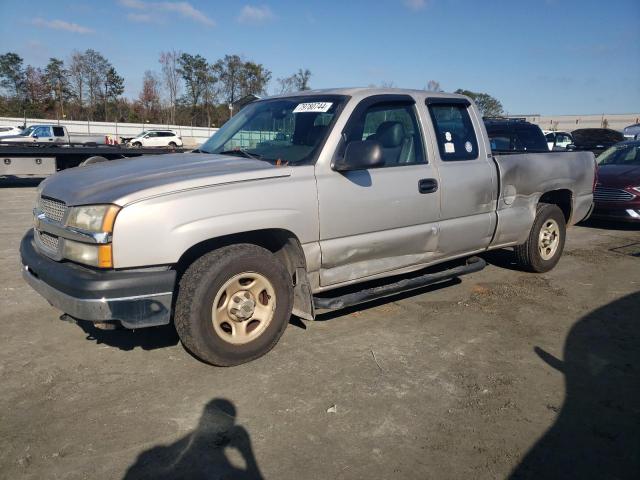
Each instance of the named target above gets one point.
<point>536,56</point>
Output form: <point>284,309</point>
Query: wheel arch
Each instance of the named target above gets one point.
<point>562,198</point>
<point>283,243</point>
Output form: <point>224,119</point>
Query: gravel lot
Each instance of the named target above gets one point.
<point>502,373</point>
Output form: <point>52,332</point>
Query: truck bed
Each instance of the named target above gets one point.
<point>524,177</point>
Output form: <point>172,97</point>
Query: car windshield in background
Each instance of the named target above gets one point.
<point>625,154</point>
<point>287,130</point>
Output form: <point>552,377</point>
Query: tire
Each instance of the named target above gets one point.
<point>136,145</point>
<point>92,160</point>
<point>172,145</point>
<point>543,249</point>
<point>221,337</point>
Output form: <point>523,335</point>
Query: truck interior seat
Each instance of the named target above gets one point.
<point>391,136</point>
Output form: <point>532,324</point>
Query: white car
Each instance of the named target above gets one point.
<point>157,138</point>
<point>8,130</point>
<point>557,140</point>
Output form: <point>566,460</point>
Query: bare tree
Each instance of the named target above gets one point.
<point>76,75</point>
<point>296,82</point>
<point>171,78</point>
<point>433,86</point>
<point>150,95</point>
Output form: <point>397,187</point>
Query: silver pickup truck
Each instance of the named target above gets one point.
<point>301,203</point>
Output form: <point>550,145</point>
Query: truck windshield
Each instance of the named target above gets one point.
<point>287,130</point>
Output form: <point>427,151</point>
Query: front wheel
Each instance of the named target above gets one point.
<point>233,304</point>
<point>543,249</point>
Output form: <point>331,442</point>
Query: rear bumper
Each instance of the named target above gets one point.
<point>140,298</point>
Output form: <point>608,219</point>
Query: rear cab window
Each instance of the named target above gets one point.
<point>454,130</point>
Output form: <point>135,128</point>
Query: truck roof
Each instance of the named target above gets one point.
<point>360,92</point>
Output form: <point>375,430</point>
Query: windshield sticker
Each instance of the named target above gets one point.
<point>320,107</point>
<point>447,136</point>
<point>449,148</point>
<point>468,147</point>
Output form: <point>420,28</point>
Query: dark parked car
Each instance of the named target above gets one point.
<point>617,193</point>
<point>632,132</point>
<point>514,134</point>
<point>595,140</point>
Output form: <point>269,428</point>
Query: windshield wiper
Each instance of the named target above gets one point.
<point>242,151</point>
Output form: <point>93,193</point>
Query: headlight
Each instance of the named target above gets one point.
<point>88,254</point>
<point>93,218</point>
<point>637,189</point>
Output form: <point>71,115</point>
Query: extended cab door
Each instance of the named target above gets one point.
<point>383,219</point>
<point>59,135</point>
<point>468,177</point>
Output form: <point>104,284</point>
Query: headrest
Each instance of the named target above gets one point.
<point>390,134</point>
<point>314,134</point>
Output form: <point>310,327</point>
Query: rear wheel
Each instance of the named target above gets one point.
<point>233,304</point>
<point>172,145</point>
<point>543,249</point>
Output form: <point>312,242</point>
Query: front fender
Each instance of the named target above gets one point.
<point>157,231</point>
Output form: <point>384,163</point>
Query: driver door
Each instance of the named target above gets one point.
<point>383,219</point>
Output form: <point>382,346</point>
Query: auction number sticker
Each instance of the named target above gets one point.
<point>315,107</point>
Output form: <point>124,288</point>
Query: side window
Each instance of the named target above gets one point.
<point>58,132</point>
<point>394,126</point>
<point>43,132</point>
<point>454,131</point>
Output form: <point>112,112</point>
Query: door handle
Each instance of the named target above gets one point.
<point>427,185</point>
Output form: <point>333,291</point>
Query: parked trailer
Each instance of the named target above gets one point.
<point>42,160</point>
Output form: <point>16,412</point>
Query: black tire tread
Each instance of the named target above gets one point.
<point>192,279</point>
<point>526,253</point>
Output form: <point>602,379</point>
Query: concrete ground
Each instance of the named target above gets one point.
<point>502,373</point>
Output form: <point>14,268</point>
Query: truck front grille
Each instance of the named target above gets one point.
<point>49,241</point>
<point>53,209</point>
<point>606,194</point>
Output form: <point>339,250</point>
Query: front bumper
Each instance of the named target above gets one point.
<point>622,214</point>
<point>135,298</point>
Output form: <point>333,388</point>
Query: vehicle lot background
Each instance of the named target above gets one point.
<point>462,381</point>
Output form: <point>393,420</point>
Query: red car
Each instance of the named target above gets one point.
<point>617,193</point>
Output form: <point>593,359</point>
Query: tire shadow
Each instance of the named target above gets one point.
<point>597,432</point>
<point>149,338</point>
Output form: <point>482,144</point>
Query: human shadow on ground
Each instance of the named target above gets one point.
<point>203,453</point>
<point>597,432</point>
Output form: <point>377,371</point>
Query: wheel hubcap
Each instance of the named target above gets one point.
<point>243,308</point>
<point>548,239</point>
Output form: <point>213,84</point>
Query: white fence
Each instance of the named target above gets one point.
<point>568,123</point>
<point>191,136</point>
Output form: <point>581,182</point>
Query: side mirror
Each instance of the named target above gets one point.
<point>570,146</point>
<point>34,136</point>
<point>360,156</point>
